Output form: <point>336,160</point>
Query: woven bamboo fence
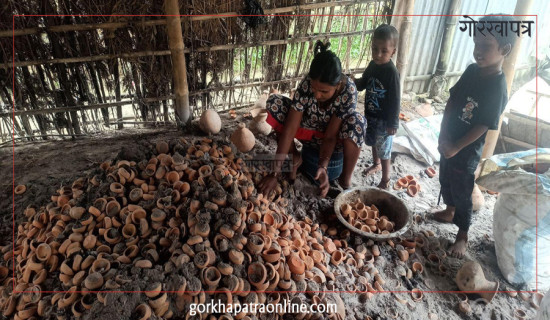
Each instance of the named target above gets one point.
<point>65,73</point>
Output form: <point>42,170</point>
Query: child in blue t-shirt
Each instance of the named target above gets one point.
<point>382,100</point>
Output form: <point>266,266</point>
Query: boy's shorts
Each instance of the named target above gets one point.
<point>376,135</point>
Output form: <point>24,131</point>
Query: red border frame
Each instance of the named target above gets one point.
<point>280,15</point>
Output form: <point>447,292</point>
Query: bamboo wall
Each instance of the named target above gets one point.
<point>79,75</point>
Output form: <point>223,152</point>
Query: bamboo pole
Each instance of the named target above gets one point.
<point>404,41</point>
<point>179,70</point>
<point>150,23</point>
<point>186,50</point>
<point>509,70</point>
<point>445,49</point>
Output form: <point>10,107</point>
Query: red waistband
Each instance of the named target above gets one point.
<point>302,133</point>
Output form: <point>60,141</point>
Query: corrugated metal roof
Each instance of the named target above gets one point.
<point>427,33</point>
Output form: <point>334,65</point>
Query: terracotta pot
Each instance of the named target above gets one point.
<point>417,267</point>
<point>464,307</point>
<point>296,264</point>
<point>536,300</point>
<point>210,122</point>
<point>470,277</point>
<point>93,281</point>
<point>416,294</point>
<point>478,201</point>
<point>430,172</point>
<point>412,190</point>
<point>271,255</point>
<point>337,257</point>
<point>20,189</point>
<point>243,138</point>
<point>257,274</point>
<point>237,257</point>
<point>259,124</point>
<point>403,255</point>
<point>520,314</point>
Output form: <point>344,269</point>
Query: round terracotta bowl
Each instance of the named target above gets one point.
<point>385,202</point>
<point>20,189</point>
<point>93,281</point>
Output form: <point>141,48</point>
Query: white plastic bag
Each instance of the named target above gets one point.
<point>544,311</point>
<point>515,220</point>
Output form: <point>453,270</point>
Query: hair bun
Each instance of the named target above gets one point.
<point>321,47</point>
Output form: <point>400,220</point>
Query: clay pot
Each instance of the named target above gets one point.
<point>520,314</point>
<point>257,274</point>
<point>259,124</point>
<point>43,252</point>
<point>243,138</point>
<point>536,300</point>
<point>416,294</point>
<point>210,122</point>
<point>470,277</point>
<point>20,189</point>
<point>412,190</point>
<point>403,255</point>
<point>430,172</point>
<point>296,264</point>
<point>477,198</point>
<point>271,255</point>
<point>337,257</point>
<point>417,267</point>
<point>464,307</point>
<point>93,281</point>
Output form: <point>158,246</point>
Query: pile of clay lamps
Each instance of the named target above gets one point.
<point>193,205</point>
<point>366,218</point>
<point>408,183</point>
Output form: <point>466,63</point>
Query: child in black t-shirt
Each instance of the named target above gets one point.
<point>382,100</point>
<point>475,105</point>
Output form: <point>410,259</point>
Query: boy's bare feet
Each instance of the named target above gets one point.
<point>373,169</point>
<point>344,184</point>
<point>458,249</point>
<point>445,216</point>
<point>384,184</point>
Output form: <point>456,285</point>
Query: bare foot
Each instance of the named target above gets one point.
<point>344,184</point>
<point>373,169</point>
<point>384,184</point>
<point>445,216</point>
<point>458,249</point>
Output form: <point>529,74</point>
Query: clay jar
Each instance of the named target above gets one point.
<point>210,122</point>
<point>477,198</point>
<point>259,124</point>
<point>470,277</point>
<point>243,138</point>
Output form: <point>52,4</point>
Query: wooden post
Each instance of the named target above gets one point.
<point>175,42</point>
<point>509,69</point>
<point>404,40</point>
<point>438,81</point>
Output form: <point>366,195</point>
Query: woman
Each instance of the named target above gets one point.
<point>322,116</point>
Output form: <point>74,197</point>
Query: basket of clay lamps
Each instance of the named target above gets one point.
<point>391,209</point>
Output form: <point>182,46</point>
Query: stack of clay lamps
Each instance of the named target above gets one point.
<point>366,218</point>
<point>409,183</point>
<point>194,203</point>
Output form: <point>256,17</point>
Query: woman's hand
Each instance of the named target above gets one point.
<point>267,184</point>
<point>322,177</point>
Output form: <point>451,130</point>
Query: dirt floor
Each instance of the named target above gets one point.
<point>44,167</point>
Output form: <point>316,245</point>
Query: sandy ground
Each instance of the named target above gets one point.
<point>44,167</point>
